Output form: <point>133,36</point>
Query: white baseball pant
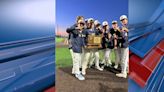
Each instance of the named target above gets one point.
<point>107,56</point>
<point>117,56</point>
<point>124,59</point>
<point>87,57</point>
<point>76,62</point>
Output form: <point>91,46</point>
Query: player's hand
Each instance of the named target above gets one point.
<point>114,35</point>
<point>125,29</point>
<point>106,40</point>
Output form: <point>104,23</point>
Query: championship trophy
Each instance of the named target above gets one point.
<point>94,41</point>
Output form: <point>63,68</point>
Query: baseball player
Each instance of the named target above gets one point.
<point>107,44</point>
<point>115,32</point>
<point>87,52</point>
<point>124,47</point>
<point>79,18</point>
<point>98,28</point>
<point>77,42</point>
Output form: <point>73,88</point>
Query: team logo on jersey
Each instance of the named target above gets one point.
<point>82,35</point>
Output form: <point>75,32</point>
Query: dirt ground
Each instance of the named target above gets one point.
<point>96,81</point>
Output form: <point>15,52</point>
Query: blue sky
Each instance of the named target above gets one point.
<point>67,10</point>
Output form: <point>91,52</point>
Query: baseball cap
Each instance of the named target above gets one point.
<point>96,22</point>
<point>114,22</point>
<point>123,17</point>
<point>90,20</point>
<point>105,23</point>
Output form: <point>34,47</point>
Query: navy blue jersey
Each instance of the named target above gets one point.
<point>69,40</point>
<point>69,30</point>
<point>70,35</point>
<point>90,32</point>
<point>98,31</point>
<point>106,41</point>
<point>77,38</point>
<point>78,41</point>
<point>118,34</point>
<point>124,40</point>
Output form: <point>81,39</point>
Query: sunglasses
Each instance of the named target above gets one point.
<point>81,23</point>
<point>97,25</point>
<point>105,26</point>
<point>122,19</point>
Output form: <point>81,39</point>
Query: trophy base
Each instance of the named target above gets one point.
<point>94,42</point>
<point>94,46</point>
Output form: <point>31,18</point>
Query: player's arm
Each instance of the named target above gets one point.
<point>71,29</point>
<point>125,29</point>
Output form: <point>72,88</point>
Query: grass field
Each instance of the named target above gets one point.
<point>63,57</point>
<point>58,39</point>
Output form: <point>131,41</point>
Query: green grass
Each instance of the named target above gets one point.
<point>63,57</point>
<point>59,39</point>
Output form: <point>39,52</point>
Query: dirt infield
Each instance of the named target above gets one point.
<point>96,81</point>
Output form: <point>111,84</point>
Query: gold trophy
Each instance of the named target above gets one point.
<point>94,41</point>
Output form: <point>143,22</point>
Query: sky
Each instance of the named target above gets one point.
<point>68,10</point>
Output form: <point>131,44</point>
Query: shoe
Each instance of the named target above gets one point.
<point>73,72</point>
<point>108,65</point>
<point>102,67</point>
<point>123,75</point>
<point>115,66</point>
<point>79,77</point>
<point>83,72</point>
<point>98,68</point>
<point>102,62</point>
